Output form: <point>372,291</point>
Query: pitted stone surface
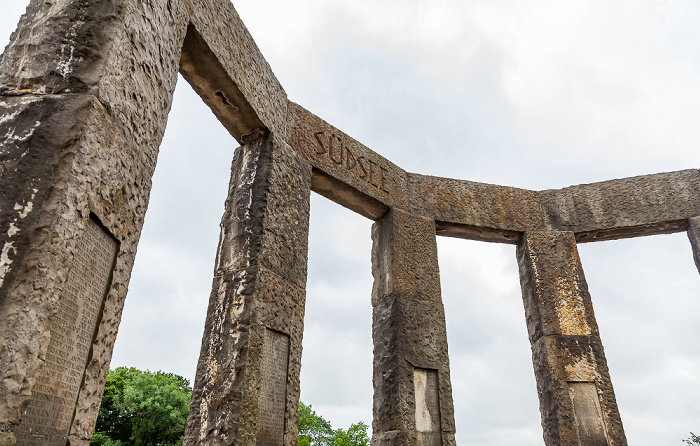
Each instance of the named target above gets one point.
<point>404,258</point>
<point>228,38</point>
<point>85,87</point>
<point>555,293</point>
<point>499,212</point>
<point>375,181</point>
<point>649,204</point>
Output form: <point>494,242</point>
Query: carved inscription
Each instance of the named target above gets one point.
<point>47,417</point>
<point>425,384</point>
<point>336,150</point>
<point>589,417</point>
<point>272,400</point>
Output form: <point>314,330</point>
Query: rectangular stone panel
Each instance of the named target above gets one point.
<point>47,416</point>
<point>589,417</point>
<point>272,400</point>
<point>425,384</point>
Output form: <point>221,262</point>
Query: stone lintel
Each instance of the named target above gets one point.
<point>475,210</point>
<point>201,68</point>
<point>246,305</point>
<point>379,184</point>
<point>577,401</point>
<point>555,293</point>
<point>233,49</point>
<point>266,216</point>
<point>628,207</point>
<point>694,236</point>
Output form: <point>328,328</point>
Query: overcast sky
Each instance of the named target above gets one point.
<point>529,94</point>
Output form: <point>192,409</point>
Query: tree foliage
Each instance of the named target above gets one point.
<point>142,408</point>
<point>150,409</point>
<point>314,430</point>
<point>694,440</point>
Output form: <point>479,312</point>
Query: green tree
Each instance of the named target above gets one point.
<point>694,440</point>
<point>142,408</point>
<point>314,430</point>
<point>356,435</point>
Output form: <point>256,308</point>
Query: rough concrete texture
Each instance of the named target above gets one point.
<point>259,284</point>
<point>85,90</point>
<point>694,236</point>
<point>229,40</point>
<point>629,207</point>
<point>408,328</point>
<point>489,212</point>
<point>564,336</point>
<point>374,181</point>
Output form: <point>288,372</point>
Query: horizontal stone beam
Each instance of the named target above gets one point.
<point>478,211</point>
<point>628,207</point>
<point>235,53</point>
<point>345,170</point>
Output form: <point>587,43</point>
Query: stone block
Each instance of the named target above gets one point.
<point>266,217</point>
<point>220,26</point>
<point>409,335</point>
<point>629,207</point>
<point>350,173</point>
<point>477,211</point>
<point>404,258</point>
<point>249,310</point>
<point>555,293</point>
<point>577,401</point>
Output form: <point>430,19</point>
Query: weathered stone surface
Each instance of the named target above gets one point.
<point>404,258</point>
<point>566,346</point>
<point>408,331</point>
<point>86,89</point>
<point>375,184</point>
<point>258,286</point>
<point>649,204</point>
<point>477,211</point>
<point>266,216</point>
<point>560,361</point>
<point>219,25</point>
<point>555,293</point>
<point>694,236</point>
<point>48,414</point>
<point>244,304</point>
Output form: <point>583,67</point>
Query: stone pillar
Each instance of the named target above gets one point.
<point>84,94</point>
<point>246,390</point>
<point>412,388</point>
<point>577,401</point>
<point>694,236</point>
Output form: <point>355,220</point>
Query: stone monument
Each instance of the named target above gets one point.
<point>85,89</point>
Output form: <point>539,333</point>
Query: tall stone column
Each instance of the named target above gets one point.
<point>577,401</point>
<point>246,390</point>
<point>412,388</point>
<point>85,91</point>
<point>694,236</point>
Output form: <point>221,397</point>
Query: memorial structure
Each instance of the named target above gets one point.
<point>85,89</point>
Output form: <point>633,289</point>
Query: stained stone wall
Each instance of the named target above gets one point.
<point>85,88</point>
